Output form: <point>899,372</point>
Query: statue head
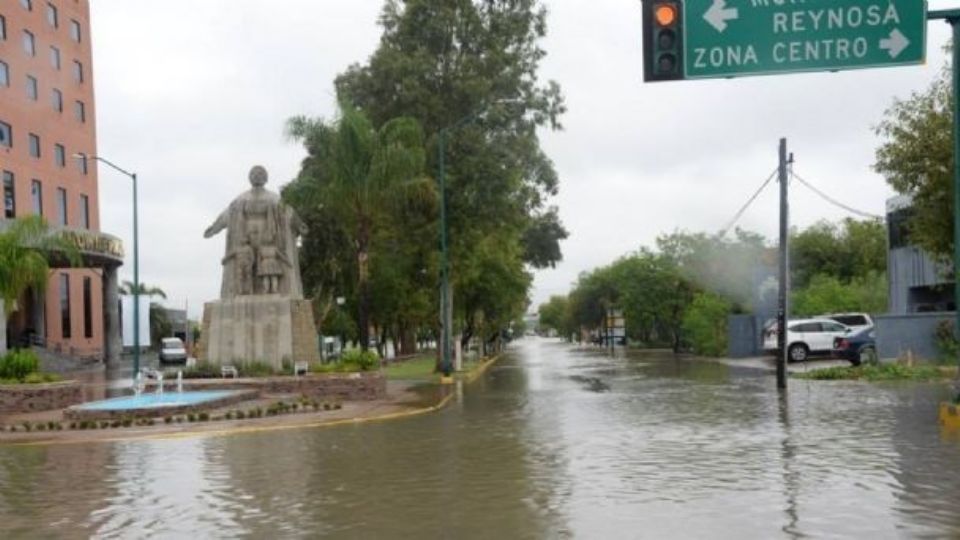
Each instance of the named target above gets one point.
<point>258,176</point>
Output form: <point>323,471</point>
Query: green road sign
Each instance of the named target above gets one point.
<point>733,38</point>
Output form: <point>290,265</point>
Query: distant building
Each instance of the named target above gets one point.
<point>916,283</point>
<point>47,115</point>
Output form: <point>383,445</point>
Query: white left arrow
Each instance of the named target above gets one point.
<point>718,14</point>
<point>896,43</point>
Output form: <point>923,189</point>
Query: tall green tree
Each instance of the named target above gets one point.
<point>443,61</point>
<point>127,288</point>
<point>916,158</point>
<point>26,248</point>
<point>359,173</point>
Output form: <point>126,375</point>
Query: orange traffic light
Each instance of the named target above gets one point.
<point>665,14</point>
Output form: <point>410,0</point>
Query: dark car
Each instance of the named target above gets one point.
<point>857,347</point>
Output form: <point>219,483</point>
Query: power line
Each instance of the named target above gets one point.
<point>833,201</point>
<point>739,214</point>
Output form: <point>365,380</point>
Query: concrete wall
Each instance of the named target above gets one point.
<point>744,336</point>
<point>914,332</point>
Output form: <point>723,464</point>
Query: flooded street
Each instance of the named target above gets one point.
<point>554,441</point>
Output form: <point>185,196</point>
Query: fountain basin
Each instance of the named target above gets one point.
<point>157,405</point>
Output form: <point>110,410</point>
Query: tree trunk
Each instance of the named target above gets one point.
<point>363,306</point>
<point>3,329</point>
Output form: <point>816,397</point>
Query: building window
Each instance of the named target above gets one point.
<point>3,28</point>
<point>34,145</point>
<point>52,15</point>
<point>77,71</point>
<point>60,155</point>
<point>28,45</point>
<point>82,165</point>
<point>87,307</point>
<point>6,135</point>
<point>27,5</point>
<point>32,88</point>
<point>4,74</point>
<point>64,306</point>
<point>84,211</point>
<point>79,111</point>
<point>36,197</point>
<point>55,58</point>
<point>9,200</point>
<point>75,30</point>
<point>56,98</point>
<point>61,207</point>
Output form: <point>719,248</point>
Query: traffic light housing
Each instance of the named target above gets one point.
<point>662,40</point>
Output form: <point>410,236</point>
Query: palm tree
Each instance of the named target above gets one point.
<point>26,247</point>
<point>144,290</point>
<point>363,172</point>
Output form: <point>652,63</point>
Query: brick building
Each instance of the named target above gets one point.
<point>47,115</point>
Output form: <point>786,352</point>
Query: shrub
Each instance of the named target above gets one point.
<point>364,360</point>
<point>257,369</point>
<point>204,417</point>
<point>103,425</point>
<point>239,415</point>
<point>17,364</point>
<point>705,323</point>
<point>191,417</point>
<point>168,420</point>
<point>202,370</point>
<point>946,341</point>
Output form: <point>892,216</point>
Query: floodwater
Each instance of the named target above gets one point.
<point>553,442</point>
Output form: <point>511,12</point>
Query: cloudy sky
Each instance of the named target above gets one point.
<point>191,93</point>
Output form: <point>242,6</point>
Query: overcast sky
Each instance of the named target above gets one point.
<point>190,94</point>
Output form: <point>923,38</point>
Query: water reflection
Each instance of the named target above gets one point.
<point>553,442</point>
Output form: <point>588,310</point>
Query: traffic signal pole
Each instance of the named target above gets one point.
<point>784,286</point>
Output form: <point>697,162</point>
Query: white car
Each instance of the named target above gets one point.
<point>806,337</point>
<point>854,321</point>
<point>172,351</point>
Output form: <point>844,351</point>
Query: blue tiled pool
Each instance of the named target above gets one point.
<point>156,401</point>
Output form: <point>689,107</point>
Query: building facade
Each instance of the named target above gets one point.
<point>47,116</point>
<point>917,283</point>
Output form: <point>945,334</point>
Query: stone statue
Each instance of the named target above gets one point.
<point>261,249</point>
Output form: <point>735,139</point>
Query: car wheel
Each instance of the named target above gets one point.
<point>798,352</point>
<point>868,355</point>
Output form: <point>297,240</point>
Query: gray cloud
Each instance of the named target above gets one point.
<point>191,94</point>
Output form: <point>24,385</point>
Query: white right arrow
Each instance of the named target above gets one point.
<point>718,14</point>
<point>896,43</point>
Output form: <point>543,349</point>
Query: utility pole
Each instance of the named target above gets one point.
<point>784,286</point>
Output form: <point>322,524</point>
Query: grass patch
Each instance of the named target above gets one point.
<point>420,367</point>
<point>34,378</point>
<point>882,372</point>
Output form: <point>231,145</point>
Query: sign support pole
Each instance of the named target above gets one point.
<point>784,287</point>
<point>952,17</point>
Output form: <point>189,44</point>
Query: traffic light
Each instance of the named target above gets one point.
<point>662,40</point>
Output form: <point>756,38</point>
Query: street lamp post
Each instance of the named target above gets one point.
<point>446,316</point>
<point>136,260</point>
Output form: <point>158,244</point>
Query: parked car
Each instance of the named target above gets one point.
<point>857,347</point>
<point>172,351</point>
<point>854,321</point>
<point>806,337</point>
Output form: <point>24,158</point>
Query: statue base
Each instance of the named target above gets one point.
<point>269,329</point>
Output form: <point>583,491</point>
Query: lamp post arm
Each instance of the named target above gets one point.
<point>114,166</point>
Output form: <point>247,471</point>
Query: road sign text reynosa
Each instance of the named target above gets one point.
<point>732,38</point>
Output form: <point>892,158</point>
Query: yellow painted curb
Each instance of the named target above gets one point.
<point>475,374</point>
<point>240,430</point>
<point>949,416</point>
<point>446,380</point>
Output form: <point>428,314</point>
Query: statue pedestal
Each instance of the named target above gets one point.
<point>270,329</point>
